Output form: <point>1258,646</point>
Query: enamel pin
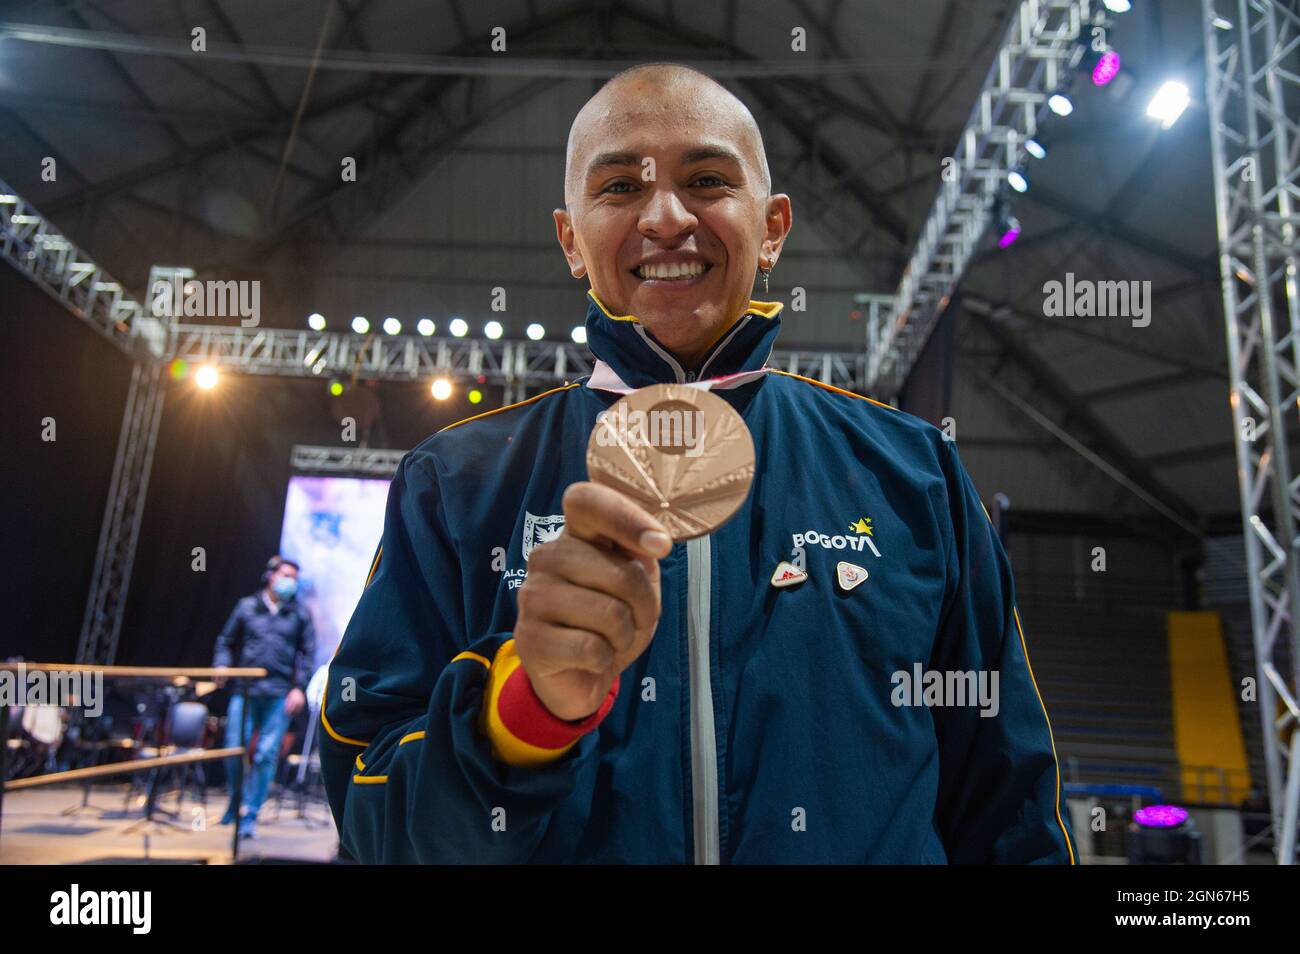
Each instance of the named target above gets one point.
<point>787,574</point>
<point>847,575</point>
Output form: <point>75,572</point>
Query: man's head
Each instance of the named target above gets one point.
<point>281,578</point>
<point>665,167</point>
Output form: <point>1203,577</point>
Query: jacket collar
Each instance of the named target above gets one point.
<point>628,355</point>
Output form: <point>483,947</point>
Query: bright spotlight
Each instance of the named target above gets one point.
<point>579,334</point>
<point>424,326</point>
<point>1168,103</point>
<point>206,377</point>
<point>459,327</point>
<point>475,396</point>
<point>441,389</point>
<point>1016,179</point>
<point>392,326</point>
<point>535,331</point>
<point>1117,6</point>
<point>1035,149</point>
<point>493,330</point>
<point>1060,104</point>
<point>360,325</point>
<point>316,321</point>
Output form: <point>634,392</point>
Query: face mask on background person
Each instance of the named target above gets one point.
<point>285,588</point>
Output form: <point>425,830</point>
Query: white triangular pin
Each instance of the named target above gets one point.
<point>787,574</point>
<point>847,575</point>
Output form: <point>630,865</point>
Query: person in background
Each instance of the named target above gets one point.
<point>268,630</point>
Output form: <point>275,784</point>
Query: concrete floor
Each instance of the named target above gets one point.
<point>45,826</point>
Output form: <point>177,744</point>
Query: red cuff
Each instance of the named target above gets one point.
<point>528,719</point>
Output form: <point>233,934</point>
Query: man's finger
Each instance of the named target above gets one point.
<point>560,602</point>
<point>587,565</point>
<point>595,512</point>
<point>548,648</point>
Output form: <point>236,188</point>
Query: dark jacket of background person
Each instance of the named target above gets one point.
<point>283,643</point>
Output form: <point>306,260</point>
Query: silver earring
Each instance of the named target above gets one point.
<point>765,272</point>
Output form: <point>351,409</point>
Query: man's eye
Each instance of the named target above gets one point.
<point>613,185</point>
<point>710,181</point>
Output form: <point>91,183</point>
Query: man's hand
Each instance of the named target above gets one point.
<point>590,603</point>
<point>294,701</point>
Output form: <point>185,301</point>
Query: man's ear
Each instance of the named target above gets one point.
<point>778,220</point>
<point>564,232</point>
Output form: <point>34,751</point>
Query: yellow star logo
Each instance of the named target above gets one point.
<point>862,525</point>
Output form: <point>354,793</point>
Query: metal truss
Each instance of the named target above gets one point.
<point>1252,56</point>
<point>41,252</point>
<point>516,365</point>
<point>1030,64</point>
<point>120,530</point>
<point>356,461</point>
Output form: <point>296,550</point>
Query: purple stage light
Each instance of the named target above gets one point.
<point>1107,68</point>
<point>1010,232</point>
<point>1160,816</point>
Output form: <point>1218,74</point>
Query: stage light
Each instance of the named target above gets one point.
<point>425,327</point>
<point>475,396</point>
<point>392,326</point>
<point>1060,104</point>
<point>316,321</point>
<point>493,330</point>
<point>1219,23</point>
<point>1160,816</point>
<point>206,377</point>
<point>441,389</point>
<point>336,388</point>
<point>1016,179</point>
<point>1168,103</point>
<point>1117,6</point>
<point>1107,68</point>
<point>179,369</point>
<point>1009,231</point>
<point>579,334</point>
<point>459,327</point>
<point>360,325</point>
<point>1163,835</point>
<point>1035,149</point>
<point>535,331</point>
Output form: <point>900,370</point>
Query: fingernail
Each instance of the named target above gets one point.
<point>656,541</point>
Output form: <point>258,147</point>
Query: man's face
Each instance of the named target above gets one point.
<point>668,215</point>
<point>284,570</point>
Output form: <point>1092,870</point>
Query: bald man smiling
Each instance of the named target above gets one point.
<point>536,673</point>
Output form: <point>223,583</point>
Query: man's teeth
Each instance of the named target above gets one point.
<point>676,270</point>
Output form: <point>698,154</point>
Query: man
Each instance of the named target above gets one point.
<point>269,630</point>
<point>636,700</point>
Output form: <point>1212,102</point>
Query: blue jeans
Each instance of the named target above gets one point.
<point>267,717</point>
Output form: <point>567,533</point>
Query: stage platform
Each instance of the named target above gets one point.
<point>47,826</point>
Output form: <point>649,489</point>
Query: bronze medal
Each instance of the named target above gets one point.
<point>680,452</point>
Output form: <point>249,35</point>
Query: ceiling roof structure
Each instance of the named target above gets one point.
<point>228,161</point>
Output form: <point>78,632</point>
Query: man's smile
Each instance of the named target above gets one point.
<point>675,271</point>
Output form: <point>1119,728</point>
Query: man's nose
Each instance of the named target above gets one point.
<point>665,215</point>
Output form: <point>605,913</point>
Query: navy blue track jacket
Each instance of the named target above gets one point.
<point>892,721</point>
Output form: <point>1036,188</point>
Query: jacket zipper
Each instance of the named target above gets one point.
<point>704,748</point>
